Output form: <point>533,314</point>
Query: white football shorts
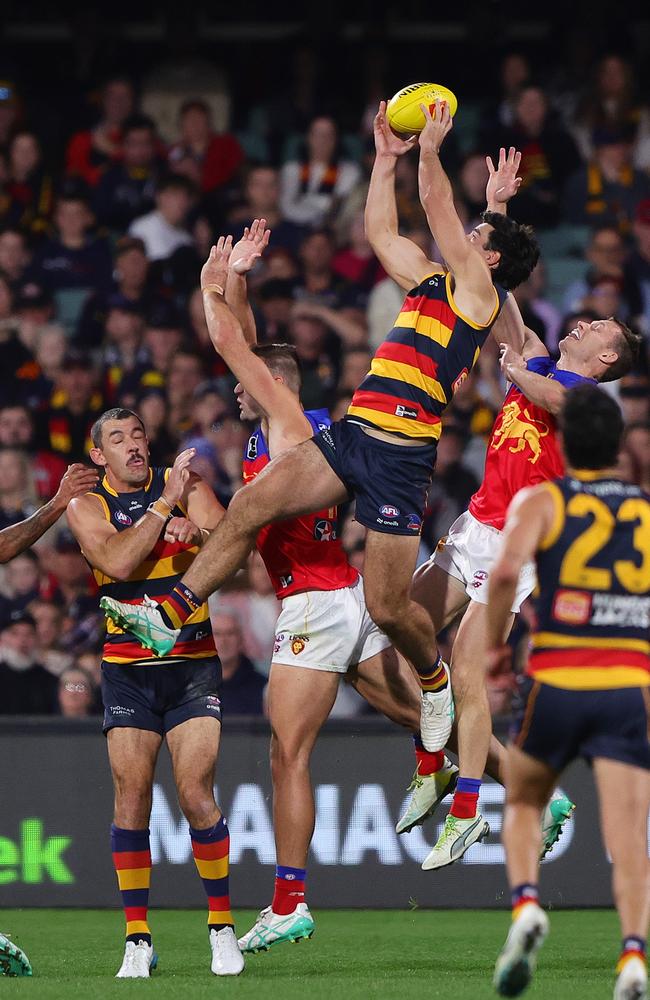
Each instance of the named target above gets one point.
<point>468,552</point>
<point>327,630</point>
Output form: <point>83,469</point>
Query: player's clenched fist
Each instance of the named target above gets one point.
<point>178,477</point>
<point>180,529</point>
<point>77,480</point>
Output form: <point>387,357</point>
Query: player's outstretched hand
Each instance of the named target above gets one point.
<point>178,477</point>
<point>181,529</point>
<point>503,182</point>
<point>77,480</point>
<point>250,247</point>
<point>386,142</point>
<point>215,269</point>
<point>436,126</point>
<point>510,361</point>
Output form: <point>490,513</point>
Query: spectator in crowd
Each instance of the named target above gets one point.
<point>18,365</point>
<point>207,159</point>
<point>163,336</point>
<point>127,188</point>
<point>637,268</point>
<point>261,200</point>
<point>242,688</point>
<point>14,257</point>
<point>18,498</point>
<point>275,301</point>
<point>634,400</point>
<point>27,687</point>
<point>319,353</point>
<point>607,190</point>
<point>124,356</point>
<point>609,102</point>
<point>28,186</point>
<point>49,630</point>
<point>9,112</point>
<point>75,405</point>
<point>470,190</point>
<point>78,591</point>
<point>357,263</point>
<point>76,694</point>
<point>514,74</point>
<point>354,368</point>
<point>251,598</point>
<point>151,404</point>
<point>637,444</point>
<point>34,306</point>
<point>92,150</point>
<point>130,282</point>
<point>17,431</point>
<point>185,375</point>
<point>25,581</point>
<point>312,185</point>
<point>452,487</point>
<point>164,230</point>
<point>318,280</point>
<point>606,254</point>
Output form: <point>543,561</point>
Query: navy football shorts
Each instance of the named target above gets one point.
<point>389,482</point>
<point>160,697</point>
<point>556,725</point>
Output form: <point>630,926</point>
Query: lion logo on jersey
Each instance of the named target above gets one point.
<point>518,424</point>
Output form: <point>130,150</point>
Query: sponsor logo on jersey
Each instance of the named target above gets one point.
<point>464,375</point>
<point>122,518</point>
<point>522,430</point>
<point>409,412</point>
<point>479,578</point>
<point>286,581</point>
<point>251,448</point>
<point>324,531</point>
<point>326,435</point>
<point>298,643</point>
<point>121,710</point>
<point>572,607</point>
<point>135,505</point>
<point>389,511</point>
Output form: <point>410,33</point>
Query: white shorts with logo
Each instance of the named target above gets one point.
<point>327,630</point>
<point>468,552</point>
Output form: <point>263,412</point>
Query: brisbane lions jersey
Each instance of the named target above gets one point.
<point>523,448</point>
<point>304,553</point>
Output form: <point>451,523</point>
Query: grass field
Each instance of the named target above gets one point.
<point>353,954</point>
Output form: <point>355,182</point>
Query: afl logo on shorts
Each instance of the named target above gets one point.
<point>122,518</point>
<point>479,578</point>
<point>389,511</point>
<point>324,531</point>
<point>251,449</point>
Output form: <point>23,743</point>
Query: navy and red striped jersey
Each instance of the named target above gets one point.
<point>304,553</point>
<point>156,576</point>
<point>426,356</point>
<point>593,571</point>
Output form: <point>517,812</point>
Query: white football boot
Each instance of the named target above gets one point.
<point>516,963</point>
<point>456,838</point>
<point>139,961</point>
<point>428,792</point>
<point>437,716</point>
<point>227,959</point>
<point>632,981</point>
<point>273,928</point>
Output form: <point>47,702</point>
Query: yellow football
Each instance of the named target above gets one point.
<point>403,110</point>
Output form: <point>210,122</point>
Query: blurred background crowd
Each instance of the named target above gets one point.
<point>113,186</point>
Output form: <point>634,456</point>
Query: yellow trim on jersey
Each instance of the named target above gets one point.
<point>588,475</point>
<point>397,425</point>
<point>559,516</point>
<point>426,326</point>
<point>200,615</point>
<point>593,678</point>
<point>465,319</point>
<point>102,500</point>
<point>113,493</point>
<point>553,640</point>
<point>409,374</point>
<point>154,660</point>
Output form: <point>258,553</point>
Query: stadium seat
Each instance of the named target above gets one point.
<point>564,241</point>
<point>560,272</point>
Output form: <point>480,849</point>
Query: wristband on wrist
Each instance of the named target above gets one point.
<point>212,288</point>
<point>156,507</point>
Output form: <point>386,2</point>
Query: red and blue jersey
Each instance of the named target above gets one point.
<point>304,553</point>
<point>424,359</point>
<point>523,449</point>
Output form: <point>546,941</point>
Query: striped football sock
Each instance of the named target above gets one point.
<point>633,947</point>
<point>427,762</point>
<point>434,678</point>
<point>289,889</point>
<point>132,861</point>
<point>179,606</point>
<point>211,849</point>
<point>465,801</point>
<point>522,895</point>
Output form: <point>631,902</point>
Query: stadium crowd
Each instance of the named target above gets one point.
<point>100,254</point>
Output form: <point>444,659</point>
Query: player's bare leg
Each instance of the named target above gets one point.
<point>529,784</point>
<point>624,793</point>
<point>300,700</point>
<point>441,595</point>
<point>132,754</point>
<point>193,747</point>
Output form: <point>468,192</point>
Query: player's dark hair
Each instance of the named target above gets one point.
<point>518,247</point>
<point>282,359</point>
<point>592,427</point>
<point>117,413</point>
<point>627,345</point>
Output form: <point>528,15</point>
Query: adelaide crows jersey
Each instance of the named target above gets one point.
<point>593,572</point>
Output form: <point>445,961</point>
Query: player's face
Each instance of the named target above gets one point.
<point>591,342</point>
<point>124,451</point>
<point>248,407</point>
<point>479,237</point>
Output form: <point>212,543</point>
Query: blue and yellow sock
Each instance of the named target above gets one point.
<point>211,849</point>
<point>434,678</point>
<point>132,861</point>
<point>178,606</point>
<point>522,895</point>
<point>632,947</point>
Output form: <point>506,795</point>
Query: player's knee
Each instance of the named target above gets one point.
<point>288,753</point>
<point>245,511</point>
<point>385,613</point>
<point>197,804</point>
<point>133,806</point>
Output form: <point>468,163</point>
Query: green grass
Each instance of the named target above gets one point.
<point>353,954</point>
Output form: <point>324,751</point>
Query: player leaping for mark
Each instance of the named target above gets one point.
<point>382,453</point>
<point>589,677</point>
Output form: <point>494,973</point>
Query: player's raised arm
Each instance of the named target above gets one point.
<point>503,182</point>
<point>400,257</point>
<point>540,390</point>
<point>118,553</point>
<point>245,253</point>
<point>511,331</point>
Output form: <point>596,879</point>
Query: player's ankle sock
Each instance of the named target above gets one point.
<point>465,801</point>
<point>428,763</point>
<point>289,889</point>
<point>633,947</point>
<point>211,849</point>
<point>522,895</point>
<point>132,861</point>
<point>179,606</point>
<point>434,678</point>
